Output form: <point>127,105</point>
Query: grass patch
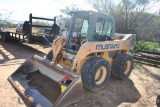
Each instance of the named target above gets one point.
<point>136,66</point>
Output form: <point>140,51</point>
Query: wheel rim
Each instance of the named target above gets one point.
<point>100,75</point>
<point>127,67</point>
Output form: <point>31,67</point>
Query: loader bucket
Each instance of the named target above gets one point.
<point>36,82</point>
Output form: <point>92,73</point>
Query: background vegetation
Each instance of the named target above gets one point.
<point>131,16</point>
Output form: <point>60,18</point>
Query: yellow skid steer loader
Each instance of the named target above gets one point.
<point>87,57</point>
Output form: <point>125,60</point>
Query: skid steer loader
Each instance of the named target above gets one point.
<point>90,53</point>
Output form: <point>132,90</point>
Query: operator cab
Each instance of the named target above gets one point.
<point>88,26</point>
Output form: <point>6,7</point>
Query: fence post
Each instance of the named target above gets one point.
<point>30,33</point>
<point>54,20</point>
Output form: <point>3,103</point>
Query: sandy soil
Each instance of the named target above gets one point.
<point>139,90</point>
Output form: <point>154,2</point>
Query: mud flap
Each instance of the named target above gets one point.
<point>36,82</point>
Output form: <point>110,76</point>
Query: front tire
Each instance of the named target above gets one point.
<point>95,73</point>
<point>122,66</point>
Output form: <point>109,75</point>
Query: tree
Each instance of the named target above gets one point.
<point>131,16</point>
<point>4,16</point>
<point>102,5</point>
<point>10,24</point>
<point>69,9</point>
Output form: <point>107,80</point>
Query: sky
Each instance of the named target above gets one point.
<point>41,8</point>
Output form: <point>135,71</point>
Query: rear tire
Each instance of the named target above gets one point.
<point>95,73</point>
<point>49,56</point>
<point>122,66</point>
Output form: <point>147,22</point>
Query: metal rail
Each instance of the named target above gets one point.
<point>17,36</point>
<point>148,58</point>
<point>12,36</point>
<point>31,37</point>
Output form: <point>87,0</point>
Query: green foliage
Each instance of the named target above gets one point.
<point>11,25</point>
<point>152,46</point>
<point>136,66</point>
<point>149,46</point>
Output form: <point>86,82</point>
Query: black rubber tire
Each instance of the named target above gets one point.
<point>119,64</point>
<point>49,56</point>
<point>89,71</point>
<point>26,28</point>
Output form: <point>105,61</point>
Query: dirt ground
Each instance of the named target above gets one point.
<point>139,90</point>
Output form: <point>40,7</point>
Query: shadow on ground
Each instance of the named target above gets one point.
<point>116,93</point>
<point>14,50</point>
<point>151,73</point>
